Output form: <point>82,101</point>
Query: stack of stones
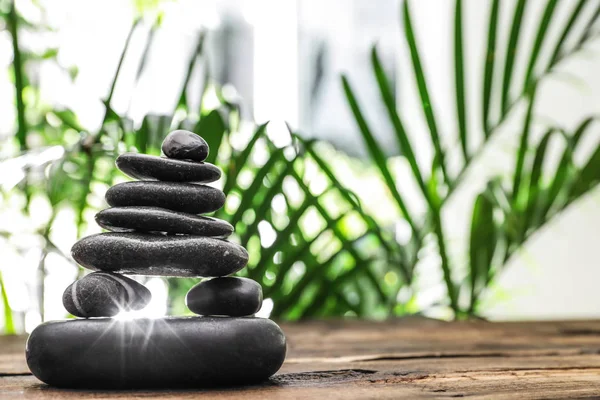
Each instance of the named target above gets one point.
<point>156,230</point>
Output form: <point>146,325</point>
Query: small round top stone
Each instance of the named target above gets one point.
<point>185,145</point>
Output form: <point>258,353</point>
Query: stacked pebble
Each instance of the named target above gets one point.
<point>156,231</point>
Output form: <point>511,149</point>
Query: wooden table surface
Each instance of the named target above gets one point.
<point>405,358</point>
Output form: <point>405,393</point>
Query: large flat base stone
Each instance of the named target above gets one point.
<point>150,353</point>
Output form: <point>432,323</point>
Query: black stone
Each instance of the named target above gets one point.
<point>185,145</point>
<point>159,255</point>
<point>104,294</point>
<point>142,166</point>
<point>185,197</point>
<point>231,296</point>
<point>160,353</point>
<point>153,219</point>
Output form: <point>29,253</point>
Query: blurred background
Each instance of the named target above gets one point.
<point>418,157</point>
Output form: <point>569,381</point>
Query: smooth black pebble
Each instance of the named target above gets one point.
<point>104,294</point>
<point>159,255</point>
<point>184,197</point>
<point>143,166</point>
<point>155,353</point>
<point>185,145</point>
<point>231,296</point>
<point>153,219</point>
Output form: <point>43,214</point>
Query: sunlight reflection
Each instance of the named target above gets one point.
<point>157,307</point>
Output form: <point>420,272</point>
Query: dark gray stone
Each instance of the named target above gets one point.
<point>160,255</point>
<point>142,166</point>
<point>185,145</point>
<point>104,294</point>
<point>185,197</point>
<point>160,353</point>
<point>153,219</point>
<point>231,296</point>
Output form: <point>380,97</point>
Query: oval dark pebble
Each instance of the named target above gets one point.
<point>231,296</point>
<point>184,197</point>
<point>160,255</point>
<point>142,166</point>
<point>154,219</point>
<point>155,353</point>
<point>104,294</point>
<point>185,145</point>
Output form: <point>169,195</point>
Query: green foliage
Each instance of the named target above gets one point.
<point>312,247</point>
<point>9,327</point>
<point>502,219</point>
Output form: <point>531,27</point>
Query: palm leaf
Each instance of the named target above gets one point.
<point>182,101</point>
<point>587,31</point>
<point>427,106</point>
<point>564,170</point>
<point>338,233</point>
<point>387,243</point>
<point>539,40</point>
<point>18,67</point>
<point>490,59</point>
<point>520,206</point>
<point>282,239</point>
<point>533,210</point>
<point>511,53</point>
<point>587,177</point>
<point>377,154</point>
<point>262,205</point>
<point>459,76</point>
<point>482,245</point>
<point>575,14</point>
<point>404,145</point>
<point>523,147</point>
<point>213,129</point>
<point>296,253</point>
<point>256,186</point>
<point>238,161</point>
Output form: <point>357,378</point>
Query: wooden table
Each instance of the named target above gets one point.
<point>406,358</point>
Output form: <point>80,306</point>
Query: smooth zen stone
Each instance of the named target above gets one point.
<point>185,197</point>
<point>142,166</point>
<point>185,145</point>
<point>232,296</point>
<point>153,353</point>
<point>104,294</point>
<point>153,219</point>
<point>160,255</point>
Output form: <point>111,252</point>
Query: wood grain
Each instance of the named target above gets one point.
<point>405,358</point>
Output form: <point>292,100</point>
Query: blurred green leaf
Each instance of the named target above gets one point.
<point>9,326</point>
<point>566,31</point>
<point>459,77</point>
<point>539,40</point>
<point>377,155</point>
<point>533,211</point>
<point>490,60</point>
<point>565,170</point>
<point>482,245</point>
<point>440,155</point>
<point>18,69</point>
<point>69,118</point>
<point>212,128</point>
<point>523,147</point>
<point>404,145</point>
<point>511,52</point>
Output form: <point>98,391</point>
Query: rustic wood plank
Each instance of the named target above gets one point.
<point>407,358</point>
